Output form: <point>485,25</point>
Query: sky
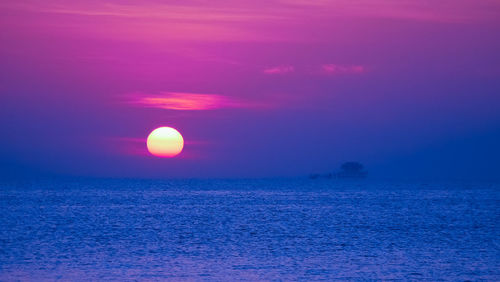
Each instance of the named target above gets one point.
<point>261,88</point>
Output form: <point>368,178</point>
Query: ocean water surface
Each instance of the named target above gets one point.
<point>248,230</point>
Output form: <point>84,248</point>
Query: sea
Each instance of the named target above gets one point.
<point>249,230</point>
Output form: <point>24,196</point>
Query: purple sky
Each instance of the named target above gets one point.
<point>257,88</point>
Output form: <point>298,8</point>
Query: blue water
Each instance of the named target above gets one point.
<point>248,230</point>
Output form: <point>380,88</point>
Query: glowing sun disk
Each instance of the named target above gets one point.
<point>165,142</point>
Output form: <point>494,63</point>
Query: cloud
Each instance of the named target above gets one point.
<point>279,70</point>
<point>417,10</point>
<point>167,22</point>
<point>333,69</point>
<point>187,101</point>
<point>153,20</point>
<point>328,69</point>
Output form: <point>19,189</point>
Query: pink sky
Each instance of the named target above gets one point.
<point>248,83</point>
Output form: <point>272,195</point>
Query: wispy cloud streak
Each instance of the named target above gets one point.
<point>230,20</point>
<point>187,101</point>
<point>333,69</point>
<point>417,10</point>
<point>279,70</point>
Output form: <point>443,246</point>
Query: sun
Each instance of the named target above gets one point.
<point>165,142</point>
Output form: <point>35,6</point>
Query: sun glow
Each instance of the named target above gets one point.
<point>165,142</point>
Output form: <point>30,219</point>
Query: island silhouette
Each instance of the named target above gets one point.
<point>348,170</point>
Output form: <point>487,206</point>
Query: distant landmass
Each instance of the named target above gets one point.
<point>348,170</point>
